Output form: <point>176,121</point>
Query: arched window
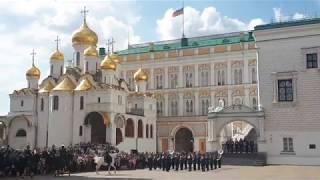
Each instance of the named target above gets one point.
<point>207,106</point>
<point>21,133</point>
<point>235,76</point>
<point>191,106</point>
<point>41,104</point>
<point>140,129</point>
<point>61,70</point>
<point>81,102</point>
<point>219,78</point>
<point>254,102</point>
<point>254,75</point>
<point>240,76</point>
<point>55,103</point>
<point>151,131</point>
<point>21,103</point>
<point>80,131</point>
<point>202,108</point>
<point>87,66</point>
<point>187,106</point>
<point>129,130</point>
<point>78,58</point>
<point>222,78</point>
<point>147,131</point>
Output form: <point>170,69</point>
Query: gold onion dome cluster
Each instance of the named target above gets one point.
<point>91,51</point>
<point>84,85</point>
<point>57,56</point>
<point>65,85</point>
<point>33,72</point>
<point>140,75</point>
<point>84,35</point>
<point>108,64</point>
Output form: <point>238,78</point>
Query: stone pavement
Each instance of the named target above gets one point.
<point>225,173</point>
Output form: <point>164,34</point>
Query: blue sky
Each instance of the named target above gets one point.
<point>28,24</point>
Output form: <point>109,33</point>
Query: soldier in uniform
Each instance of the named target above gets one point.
<point>189,159</point>
<point>27,154</point>
<point>163,162</point>
<point>181,161</point>
<point>211,161</point>
<point>154,161</point>
<point>194,161</point>
<point>150,161</point>
<point>177,161</point>
<point>198,160</point>
<point>168,162</point>
<point>207,161</point>
<point>202,161</point>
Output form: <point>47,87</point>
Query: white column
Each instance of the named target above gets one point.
<point>180,104</point>
<point>246,71</point>
<point>212,78</point>
<point>246,96</point>
<point>229,97</point>
<point>151,79</point>
<point>196,103</point>
<point>166,104</point>
<point>196,75</point>
<point>229,72</point>
<point>180,83</point>
<point>166,77</point>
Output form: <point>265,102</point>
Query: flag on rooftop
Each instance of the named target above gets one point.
<point>177,12</point>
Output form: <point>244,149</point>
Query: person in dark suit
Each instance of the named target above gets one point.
<point>215,160</point>
<point>198,160</point>
<point>168,163</point>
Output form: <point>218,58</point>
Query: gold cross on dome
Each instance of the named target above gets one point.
<point>84,12</point>
<point>33,53</point>
<point>57,42</point>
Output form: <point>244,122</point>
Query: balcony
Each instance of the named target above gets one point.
<point>135,111</point>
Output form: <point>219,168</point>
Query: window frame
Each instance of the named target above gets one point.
<point>286,89</point>
<point>313,60</point>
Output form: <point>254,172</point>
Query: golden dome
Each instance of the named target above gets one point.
<point>57,55</point>
<point>65,85</point>
<point>84,35</point>
<point>140,75</point>
<point>84,85</point>
<point>33,72</point>
<point>91,51</point>
<point>108,63</point>
<point>47,87</point>
<point>115,58</point>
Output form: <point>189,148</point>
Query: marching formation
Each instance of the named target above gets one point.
<point>90,157</point>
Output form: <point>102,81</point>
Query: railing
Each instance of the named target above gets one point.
<point>135,111</point>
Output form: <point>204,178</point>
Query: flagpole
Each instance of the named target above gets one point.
<point>183,19</point>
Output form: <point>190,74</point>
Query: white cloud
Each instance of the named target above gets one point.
<point>34,24</point>
<point>209,21</point>
<point>280,17</point>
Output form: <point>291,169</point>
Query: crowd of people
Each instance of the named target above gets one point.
<point>241,146</point>
<point>80,158</point>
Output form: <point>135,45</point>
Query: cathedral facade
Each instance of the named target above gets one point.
<point>84,102</point>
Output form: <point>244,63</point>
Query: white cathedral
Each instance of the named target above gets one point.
<point>86,102</point>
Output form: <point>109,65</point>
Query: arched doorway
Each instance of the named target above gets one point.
<point>238,136</point>
<point>184,140</point>
<point>98,128</point>
<point>119,138</point>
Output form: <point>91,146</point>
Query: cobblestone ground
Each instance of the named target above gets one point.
<point>225,173</point>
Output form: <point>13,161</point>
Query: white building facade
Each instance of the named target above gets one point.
<point>289,90</point>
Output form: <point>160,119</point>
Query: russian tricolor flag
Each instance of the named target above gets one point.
<point>177,12</point>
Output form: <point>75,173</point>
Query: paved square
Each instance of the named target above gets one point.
<point>225,173</point>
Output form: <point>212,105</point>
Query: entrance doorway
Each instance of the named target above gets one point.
<point>184,140</point>
<point>238,136</point>
<point>98,128</point>
<point>118,136</point>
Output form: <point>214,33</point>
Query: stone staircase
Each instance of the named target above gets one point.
<point>250,159</point>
